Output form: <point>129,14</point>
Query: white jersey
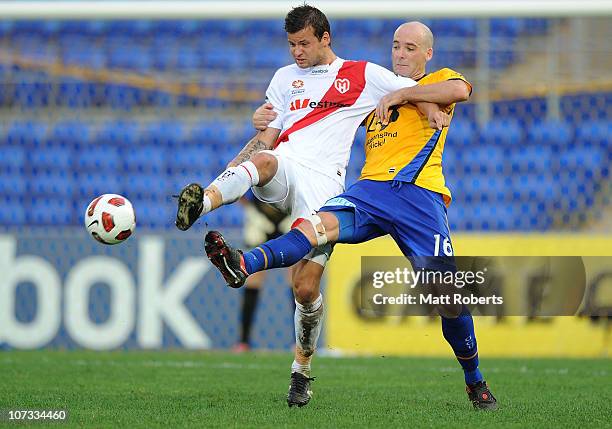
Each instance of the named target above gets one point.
<point>320,108</point>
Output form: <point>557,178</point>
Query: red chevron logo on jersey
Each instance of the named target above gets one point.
<point>341,94</point>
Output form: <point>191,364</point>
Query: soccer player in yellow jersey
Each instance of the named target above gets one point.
<point>401,192</point>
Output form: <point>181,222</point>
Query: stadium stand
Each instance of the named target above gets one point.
<point>80,105</point>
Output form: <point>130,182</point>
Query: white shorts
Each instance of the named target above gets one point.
<point>299,191</point>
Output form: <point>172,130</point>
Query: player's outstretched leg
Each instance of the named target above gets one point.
<point>459,333</point>
<point>235,266</point>
<point>229,261</point>
<point>195,201</point>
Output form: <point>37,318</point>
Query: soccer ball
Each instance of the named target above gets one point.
<point>110,218</point>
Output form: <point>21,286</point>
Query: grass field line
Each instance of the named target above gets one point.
<point>319,364</point>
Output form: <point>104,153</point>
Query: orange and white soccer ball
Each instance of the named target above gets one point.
<point>110,218</point>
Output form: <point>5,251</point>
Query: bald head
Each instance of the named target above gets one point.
<point>412,48</point>
<point>417,31</point>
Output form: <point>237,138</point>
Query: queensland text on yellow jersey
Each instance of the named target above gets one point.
<point>407,149</point>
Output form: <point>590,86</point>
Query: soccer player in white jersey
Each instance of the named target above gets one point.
<point>299,161</point>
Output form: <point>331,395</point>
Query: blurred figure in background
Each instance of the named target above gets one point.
<point>262,222</point>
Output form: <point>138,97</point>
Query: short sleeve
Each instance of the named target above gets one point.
<point>380,81</point>
<point>274,95</point>
<point>449,74</point>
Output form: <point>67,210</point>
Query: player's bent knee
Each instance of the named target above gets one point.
<point>310,231</point>
<point>318,228</point>
<point>267,165</point>
<point>305,290</point>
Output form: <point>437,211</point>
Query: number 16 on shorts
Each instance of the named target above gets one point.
<point>443,243</point>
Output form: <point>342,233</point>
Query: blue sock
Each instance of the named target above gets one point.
<point>283,251</point>
<point>459,332</point>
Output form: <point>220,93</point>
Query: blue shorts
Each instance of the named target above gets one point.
<point>415,217</point>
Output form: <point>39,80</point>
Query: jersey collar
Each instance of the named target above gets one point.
<point>324,69</point>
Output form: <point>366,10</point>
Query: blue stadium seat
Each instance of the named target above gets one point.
<point>360,27</point>
<point>118,133</point>
<point>88,27</point>
<point>502,131</point>
<point>594,133</point>
<point>531,216</point>
<point>480,188</point>
<point>464,27</point>
<point>534,159</point>
<point>12,159</point>
<point>450,161</point>
<point>98,159</point>
<point>360,49</point>
<point>273,57</point>
<point>192,160</point>
<point>535,26</point>
<point>144,159</point>
<point>461,133</point>
<point>189,58</point>
<point>32,95</point>
<point>132,28</point>
<point>504,52</point>
<point>170,53</point>
<point>227,216</point>
<point>7,27</point>
<point>154,214</point>
<point>75,93</point>
<point>224,57</point>
<point>85,56</point>
<point>147,186</point>
<point>483,216</point>
<point>124,97</point>
<point>233,28</point>
<point>535,187</point>
<point>12,213</point>
<point>274,28</point>
<point>91,184</point>
<point>508,27</point>
<point>70,133</point>
<point>551,133</point>
<point>51,157</point>
<point>214,134</point>
<point>589,159</point>
<point>484,159</point>
<point>12,184</point>
<point>242,132</point>
<point>164,133</point>
<point>130,57</point>
<point>50,211</point>
<point>52,183</point>
<point>22,133</point>
<point>180,28</point>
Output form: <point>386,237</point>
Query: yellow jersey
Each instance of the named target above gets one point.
<point>407,149</point>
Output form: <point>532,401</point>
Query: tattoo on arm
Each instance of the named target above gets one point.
<point>251,148</point>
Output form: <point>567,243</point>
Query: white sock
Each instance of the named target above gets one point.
<point>233,183</point>
<point>308,321</point>
<point>302,369</point>
<point>207,205</point>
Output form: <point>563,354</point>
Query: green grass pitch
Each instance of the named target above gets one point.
<point>214,389</point>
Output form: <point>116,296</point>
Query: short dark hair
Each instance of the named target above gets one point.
<point>307,16</point>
